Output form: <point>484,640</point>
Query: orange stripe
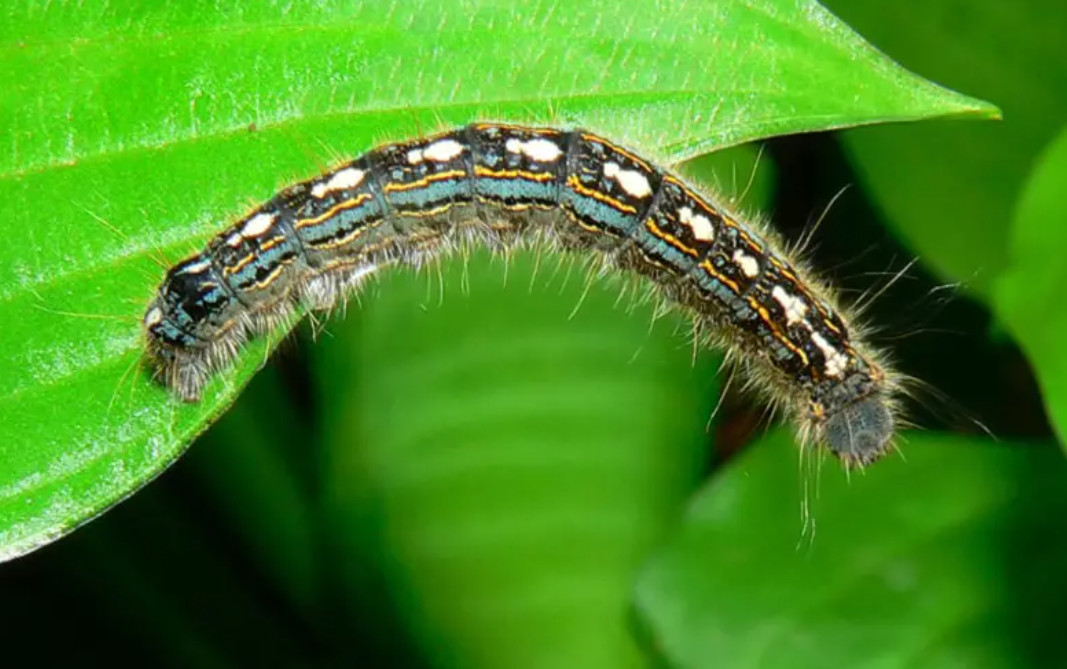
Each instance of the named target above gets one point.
<point>650,224</point>
<point>511,174</point>
<point>573,182</point>
<point>347,204</point>
<point>425,181</point>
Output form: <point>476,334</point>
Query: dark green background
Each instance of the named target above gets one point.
<point>467,470</point>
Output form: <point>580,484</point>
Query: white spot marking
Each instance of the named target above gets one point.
<point>153,317</point>
<point>702,228</point>
<point>415,156</point>
<point>235,239</point>
<point>442,151</point>
<point>835,361</point>
<point>633,182</point>
<point>257,225</point>
<point>344,179</point>
<point>197,267</point>
<point>749,265</point>
<point>795,308</point>
<point>539,149</point>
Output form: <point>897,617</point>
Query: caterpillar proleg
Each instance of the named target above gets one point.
<point>505,185</point>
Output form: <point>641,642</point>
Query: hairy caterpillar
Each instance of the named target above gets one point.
<point>502,185</point>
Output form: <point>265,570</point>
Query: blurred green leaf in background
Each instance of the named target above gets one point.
<point>1028,293</point>
<point>487,464</point>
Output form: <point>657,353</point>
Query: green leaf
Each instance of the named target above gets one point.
<point>949,190</point>
<point>1029,294</point>
<point>939,560</point>
<point>502,463</point>
<point>134,134</point>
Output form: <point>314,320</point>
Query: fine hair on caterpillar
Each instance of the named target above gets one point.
<point>503,186</point>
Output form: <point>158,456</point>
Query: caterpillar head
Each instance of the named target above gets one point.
<point>859,433</point>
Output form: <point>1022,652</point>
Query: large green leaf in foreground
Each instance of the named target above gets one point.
<point>951,557</point>
<point>922,176</point>
<point>135,135</point>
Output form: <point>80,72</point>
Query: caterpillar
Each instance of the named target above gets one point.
<point>504,185</point>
